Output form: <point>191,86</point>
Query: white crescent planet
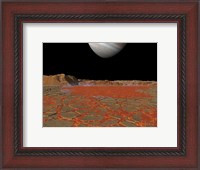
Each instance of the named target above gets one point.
<point>106,50</point>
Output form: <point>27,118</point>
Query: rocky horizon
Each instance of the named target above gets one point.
<point>62,79</point>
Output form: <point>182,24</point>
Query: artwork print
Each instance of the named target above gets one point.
<point>100,84</point>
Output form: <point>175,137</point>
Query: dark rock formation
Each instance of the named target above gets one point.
<point>71,80</point>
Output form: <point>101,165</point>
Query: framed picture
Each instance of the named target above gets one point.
<point>100,85</point>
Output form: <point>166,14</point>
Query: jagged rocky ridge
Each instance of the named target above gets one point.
<point>62,79</point>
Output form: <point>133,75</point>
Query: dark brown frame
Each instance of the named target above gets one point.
<point>186,155</point>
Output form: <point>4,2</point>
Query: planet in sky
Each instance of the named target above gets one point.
<point>106,50</point>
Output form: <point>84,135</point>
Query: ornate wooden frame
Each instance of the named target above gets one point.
<point>183,156</point>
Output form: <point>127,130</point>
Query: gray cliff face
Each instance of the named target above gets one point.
<point>71,80</point>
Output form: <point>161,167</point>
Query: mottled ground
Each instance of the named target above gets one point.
<point>100,106</point>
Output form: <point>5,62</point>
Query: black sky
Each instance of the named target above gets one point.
<point>137,61</point>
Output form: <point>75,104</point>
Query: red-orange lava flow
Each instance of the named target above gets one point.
<point>102,106</point>
<point>109,91</point>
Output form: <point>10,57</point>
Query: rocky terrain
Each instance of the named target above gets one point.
<point>72,102</point>
<point>59,79</point>
<point>62,79</point>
